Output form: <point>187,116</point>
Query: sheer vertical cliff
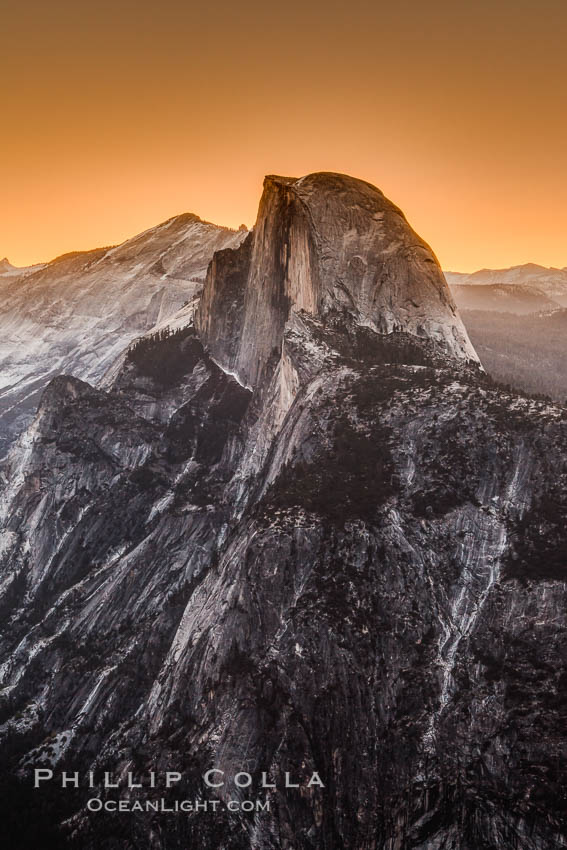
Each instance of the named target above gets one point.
<point>325,244</point>
<point>307,537</point>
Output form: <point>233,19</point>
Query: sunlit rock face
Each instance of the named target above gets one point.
<point>334,549</point>
<point>77,313</point>
<point>325,244</point>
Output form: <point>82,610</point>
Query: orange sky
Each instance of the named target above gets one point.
<point>117,115</point>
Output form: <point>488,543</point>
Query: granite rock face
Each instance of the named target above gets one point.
<point>78,313</point>
<point>334,549</point>
<point>326,244</point>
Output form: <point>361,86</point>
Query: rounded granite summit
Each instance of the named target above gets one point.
<point>328,243</point>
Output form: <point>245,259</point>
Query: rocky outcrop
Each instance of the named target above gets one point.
<point>326,244</point>
<point>350,570</point>
<point>6,267</point>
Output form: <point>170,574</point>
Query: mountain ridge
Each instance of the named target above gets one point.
<point>313,574</point>
<point>513,274</point>
<point>78,312</point>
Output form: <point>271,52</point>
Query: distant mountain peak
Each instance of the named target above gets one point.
<point>184,218</point>
<point>187,218</point>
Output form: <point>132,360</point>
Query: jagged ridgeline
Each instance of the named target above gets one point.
<point>302,536</point>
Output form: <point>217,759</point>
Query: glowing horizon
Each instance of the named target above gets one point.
<point>118,116</point>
